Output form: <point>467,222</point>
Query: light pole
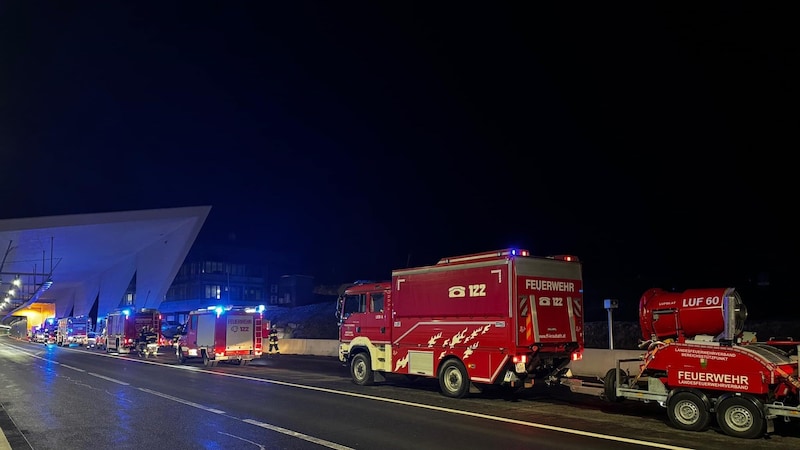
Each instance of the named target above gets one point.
<point>610,304</point>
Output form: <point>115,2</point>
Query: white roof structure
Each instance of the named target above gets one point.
<point>70,260</point>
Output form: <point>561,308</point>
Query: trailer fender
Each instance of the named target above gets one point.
<point>706,401</point>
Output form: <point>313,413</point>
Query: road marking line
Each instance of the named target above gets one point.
<point>73,368</point>
<point>108,378</point>
<point>180,400</point>
<point>297,434</point>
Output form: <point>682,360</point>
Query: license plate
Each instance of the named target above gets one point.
<point>520,368</point>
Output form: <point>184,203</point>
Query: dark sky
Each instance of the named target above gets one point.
<point>655,142</point>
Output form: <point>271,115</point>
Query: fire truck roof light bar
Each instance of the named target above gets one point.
<point>499,253</point>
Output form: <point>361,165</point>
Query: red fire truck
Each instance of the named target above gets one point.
<point>73,330</point>
<point>232,334</point>
<point>501,317</point>
<point>123,327</point>
<point>700,364</point>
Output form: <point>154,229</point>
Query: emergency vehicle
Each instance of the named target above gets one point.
<point>232,334</point>
<point>700,364</point>
<point>501,317</point>
<point>123,327</point>
<point>73,330</point>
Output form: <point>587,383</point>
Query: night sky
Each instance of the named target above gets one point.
<point>654,142</point>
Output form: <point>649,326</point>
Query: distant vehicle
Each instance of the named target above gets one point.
<point>170,329</point>
<point>72,330</point>
<point>91,339</point>
<point>100,340</point>
<point>124,326</point>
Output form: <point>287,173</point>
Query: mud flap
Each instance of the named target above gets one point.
<point>474,389</point>
<point>378,376</point>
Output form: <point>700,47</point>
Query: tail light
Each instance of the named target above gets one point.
<point>520,359</point>
<point>576,355</point>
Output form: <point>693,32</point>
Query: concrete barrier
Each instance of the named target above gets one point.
<point>595,362</point>
<point>317,347</point>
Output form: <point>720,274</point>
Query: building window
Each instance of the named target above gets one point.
<point>213,291</point>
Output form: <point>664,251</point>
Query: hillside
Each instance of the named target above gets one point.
<point>318,321</point>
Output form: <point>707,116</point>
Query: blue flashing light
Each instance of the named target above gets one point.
<point>127,312</point>
<point>219,310</point>
<point>50,321</point>
<point>261,308</point>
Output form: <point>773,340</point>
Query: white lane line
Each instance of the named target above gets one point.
<point>73,368</point>
<point>108,378</point>
<point>261,447</point>
<point>294,434</point>
<point>180,400</point>
<point>298,435</point>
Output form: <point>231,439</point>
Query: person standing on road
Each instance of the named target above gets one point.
<point>273,340</point>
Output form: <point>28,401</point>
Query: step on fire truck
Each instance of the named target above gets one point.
<point>699,364</point>
<point>501,317</point>
<point>124,326</point>
<point>232,334</point>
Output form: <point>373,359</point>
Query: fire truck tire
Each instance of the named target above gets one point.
<point>687,411</point>
<point>453,379</point>
<point>610,385</point>
<point>208,362</point>
<point>243,362</point>
<point>179,356</point>
<point>741,417</point>
<point>361,370</point>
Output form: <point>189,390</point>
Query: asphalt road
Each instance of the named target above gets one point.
<point>64,398</point>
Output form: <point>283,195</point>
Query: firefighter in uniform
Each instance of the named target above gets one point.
<point>273,340</point>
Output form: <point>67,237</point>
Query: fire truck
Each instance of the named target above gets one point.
<point>123,327</point>
<point>495,318</point>
<point>700,364</point>
<point>232,334</point>
<point>73,330</point>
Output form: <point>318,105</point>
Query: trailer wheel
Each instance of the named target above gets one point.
<point>741,417</point>
<point>610,385</point>
<point>453,379</point>
<point>687,411</point>
<point>361,370</point>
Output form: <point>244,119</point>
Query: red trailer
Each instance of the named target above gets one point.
<point>700,365</point>
<point>501,317</point>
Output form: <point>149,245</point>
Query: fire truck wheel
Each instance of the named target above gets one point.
<point>208,362</point>
<point>179,356</point>
<point>610,385</point>
<point>688,412</point>
<point>741,417</point>
<point>361,370</point>
<point>243,362</point>
<point>453,379</point>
